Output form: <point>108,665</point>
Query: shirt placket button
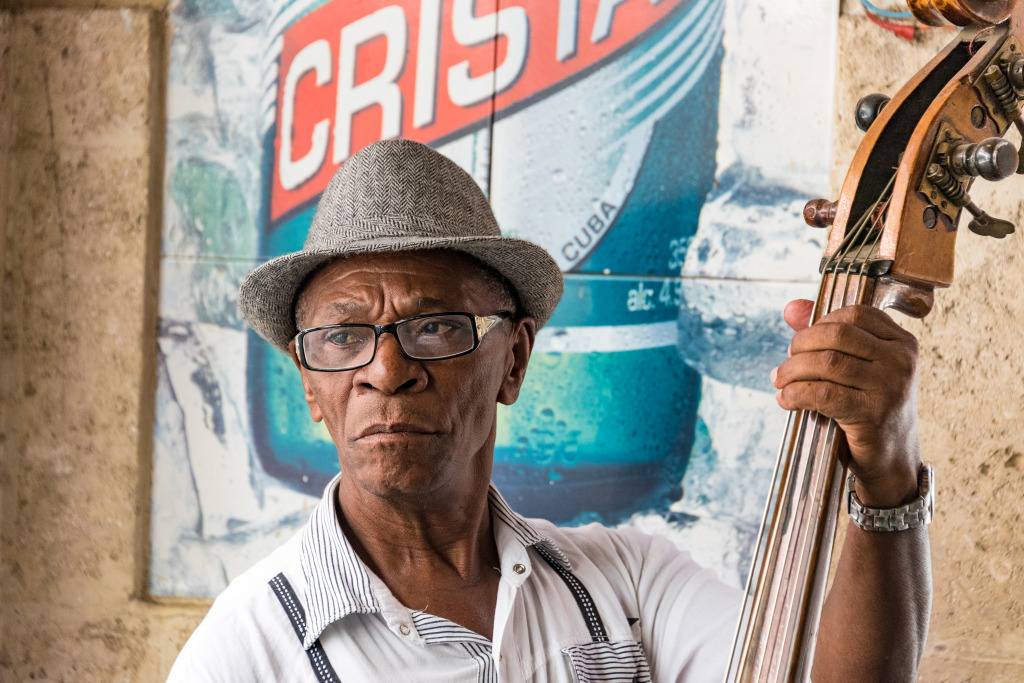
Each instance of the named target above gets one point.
<point>404,629</point>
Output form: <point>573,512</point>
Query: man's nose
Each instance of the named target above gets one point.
<point>390,371</point>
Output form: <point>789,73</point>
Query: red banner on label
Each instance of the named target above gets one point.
<point>352,72</point>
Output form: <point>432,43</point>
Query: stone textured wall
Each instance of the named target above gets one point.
<point>80,166</point>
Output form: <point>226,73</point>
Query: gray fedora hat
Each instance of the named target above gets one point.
<point>398,195</point>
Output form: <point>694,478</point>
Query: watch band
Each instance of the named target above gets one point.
<point>910,516</point>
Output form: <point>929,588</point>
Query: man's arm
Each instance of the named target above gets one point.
<point>875,619</point>
<point>860,368</point>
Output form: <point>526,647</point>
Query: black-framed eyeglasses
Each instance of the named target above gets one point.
<point>436,336</point>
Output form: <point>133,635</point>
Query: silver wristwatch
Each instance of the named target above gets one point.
<point>909,516</point>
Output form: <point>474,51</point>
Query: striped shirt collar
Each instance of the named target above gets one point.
<point>337,583</point>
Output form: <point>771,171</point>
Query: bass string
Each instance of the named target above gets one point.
<point>867,234</point>
<point>818,471</point>
<point>858,244</point>
<point>856,240</point>
<point>849,240</point>
<point>868,243</point>
<point>864,236</point>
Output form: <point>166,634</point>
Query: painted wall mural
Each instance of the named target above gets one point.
<point>660,150</point>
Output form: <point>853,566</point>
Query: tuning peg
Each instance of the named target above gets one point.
<point>992,159</point>
<point>983,224</point>
<point>996,80</point>
<point>819,213</point>
<point>868,109</point>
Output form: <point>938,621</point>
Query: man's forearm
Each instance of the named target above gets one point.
<point>875,619</point>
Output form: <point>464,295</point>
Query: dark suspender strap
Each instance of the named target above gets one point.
<point>297,615</point>
<point>579,592</point>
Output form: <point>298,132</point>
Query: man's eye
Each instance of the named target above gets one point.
<point>436,326</point>
<point>432,327</point>
<point>341,338</point>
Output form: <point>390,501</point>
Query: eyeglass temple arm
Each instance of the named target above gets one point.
<point>485,323</point>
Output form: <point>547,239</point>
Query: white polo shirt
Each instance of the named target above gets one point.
<point>312,611</point>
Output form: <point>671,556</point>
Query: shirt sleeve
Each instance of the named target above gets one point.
<point>206,657</point>
<point>687,616</point>
<point>243,639</point>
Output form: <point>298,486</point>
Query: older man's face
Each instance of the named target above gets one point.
<point>403,427</point>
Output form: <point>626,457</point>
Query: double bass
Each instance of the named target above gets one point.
<point>891,244</point>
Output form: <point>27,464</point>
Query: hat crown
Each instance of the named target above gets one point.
<point>392,196</point>
<point>399,188</point>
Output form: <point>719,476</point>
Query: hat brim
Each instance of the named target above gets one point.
<point>266,297</point>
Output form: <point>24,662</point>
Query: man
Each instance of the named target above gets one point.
<point>410,317</point>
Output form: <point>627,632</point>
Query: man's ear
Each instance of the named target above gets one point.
<point>314,407</point>
<point>524,333</point>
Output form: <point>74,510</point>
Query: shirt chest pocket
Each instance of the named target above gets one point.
<point>609,662</point>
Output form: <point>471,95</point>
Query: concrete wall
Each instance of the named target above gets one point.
<point>80,166</point>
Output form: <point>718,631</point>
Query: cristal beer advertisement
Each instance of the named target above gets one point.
<point>659,150</point>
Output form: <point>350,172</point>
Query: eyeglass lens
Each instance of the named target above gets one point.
<point>425,338</point>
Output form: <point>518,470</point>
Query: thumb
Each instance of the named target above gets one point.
<point>798,313</point>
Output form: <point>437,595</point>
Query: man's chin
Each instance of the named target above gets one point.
<point>407,489</point>
<point>394,471</point>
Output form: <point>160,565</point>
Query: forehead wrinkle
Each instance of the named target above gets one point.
<point>349,307</point>
<point>431,302</point>
<point>343,306</point>
<point>413,284</point>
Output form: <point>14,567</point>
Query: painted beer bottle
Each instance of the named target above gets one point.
<point>593,129</point>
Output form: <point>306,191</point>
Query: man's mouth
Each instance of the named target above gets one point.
<point>393,431</point>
